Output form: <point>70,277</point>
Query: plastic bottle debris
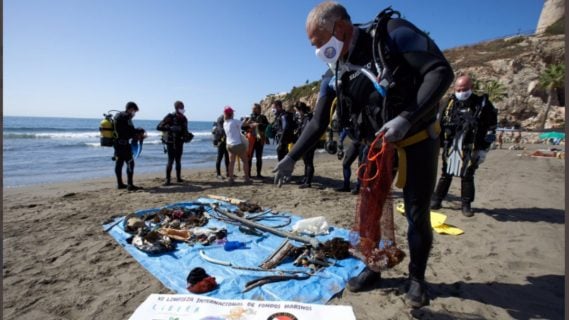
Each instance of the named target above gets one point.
<point>312,226</point>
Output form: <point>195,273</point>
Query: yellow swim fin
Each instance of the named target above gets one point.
<point>437,222</point>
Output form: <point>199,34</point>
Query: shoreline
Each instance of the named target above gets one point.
<point>203,168</point>
<point>137,176</point>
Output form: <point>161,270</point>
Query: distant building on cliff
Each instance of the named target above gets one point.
<point>553,11</point>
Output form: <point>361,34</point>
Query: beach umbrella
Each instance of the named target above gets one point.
<point>552,135</point>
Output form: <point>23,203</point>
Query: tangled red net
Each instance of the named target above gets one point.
<point>373,236</point>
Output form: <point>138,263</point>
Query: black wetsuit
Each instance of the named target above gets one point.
<point>259,141</point>
<point>308,156</point>
<point>175,126</point>
<point>421,78</point>
<point>480,129</point>
<point>355,150</point>
<point>220,143</point>
<point>125,131</point>
<point>283,126</point>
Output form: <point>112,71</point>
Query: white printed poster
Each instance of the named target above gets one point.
<point>195,307</point>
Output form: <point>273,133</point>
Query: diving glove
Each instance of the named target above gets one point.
<point>340,152</point>
<point>283,170</point>
<point>395,129</point>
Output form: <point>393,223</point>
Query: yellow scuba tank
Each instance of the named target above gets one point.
<point>107,130</point>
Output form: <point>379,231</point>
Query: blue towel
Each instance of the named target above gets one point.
<point>172,268</point>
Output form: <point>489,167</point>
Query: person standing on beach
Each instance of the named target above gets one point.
<point>261,122</point>
<point>304,117</point>
<point>283,127</point>
<point>125,131</point>
<point>235,143</point>
<point>354,151</point>
<point>406,115</point>
<point>175,133</point>
<point>219,140</point>
<point>518,137</point>
<point>468,123</point>
<point>500,139</point>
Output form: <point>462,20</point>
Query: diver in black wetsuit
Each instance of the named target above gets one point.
<point>261,122</point>
<point>219,141</point>
<point>283,126</point>
<point>421,77</point>
<point>175,132</point>
<point>355,151</point>
<point>125,131</point>
<point>468,123</point>
<point>304,117</point>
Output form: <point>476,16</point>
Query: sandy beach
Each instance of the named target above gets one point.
<point>509,263</point>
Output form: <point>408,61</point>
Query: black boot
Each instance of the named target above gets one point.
<point>168,180</point>
<point>467,195</point>
<point>441,191</point>
<point>365,281</point>
<point>346,186</point>
<point>118,173</point>
<point>356,189</point>
<point>179,175</point>
<point>120,184</point>
<point>467,210</point>
<point>416,296</point>
<point>436,204</point>
<point>259,168</point>
<point>132,187</point>
<point>309,170</point>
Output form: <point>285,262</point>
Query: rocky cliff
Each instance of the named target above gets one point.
<point>552,12</point>
<point>514,62</point>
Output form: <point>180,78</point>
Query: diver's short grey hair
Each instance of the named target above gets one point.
<point>324,15</point>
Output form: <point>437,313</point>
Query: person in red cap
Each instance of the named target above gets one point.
<point>236,143</point>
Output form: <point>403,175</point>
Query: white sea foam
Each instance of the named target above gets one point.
<point>88,135</point>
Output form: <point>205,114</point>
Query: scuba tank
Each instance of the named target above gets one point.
<point>107,130</point>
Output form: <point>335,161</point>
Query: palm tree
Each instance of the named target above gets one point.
<point>476,83</point>
<point>552,78</point>
<point>495,90</point>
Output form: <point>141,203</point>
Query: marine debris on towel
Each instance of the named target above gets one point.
<point>224,224</point>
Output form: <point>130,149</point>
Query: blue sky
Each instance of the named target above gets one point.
<point>79,58</point>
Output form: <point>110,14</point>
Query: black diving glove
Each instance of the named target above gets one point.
<point>340,152</point>
<point>283,170</point>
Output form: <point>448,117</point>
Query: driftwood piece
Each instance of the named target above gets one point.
<point>288,235</point>
<point>226,199</point>
<point>278,255</point>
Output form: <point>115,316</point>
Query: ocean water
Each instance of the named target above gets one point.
<point>39,150</point>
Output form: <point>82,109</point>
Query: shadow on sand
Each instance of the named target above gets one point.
<point>526,214</point>
<point>541,298</point>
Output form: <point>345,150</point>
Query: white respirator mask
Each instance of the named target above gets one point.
<point>330,51</point>
<point>461,96</point>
